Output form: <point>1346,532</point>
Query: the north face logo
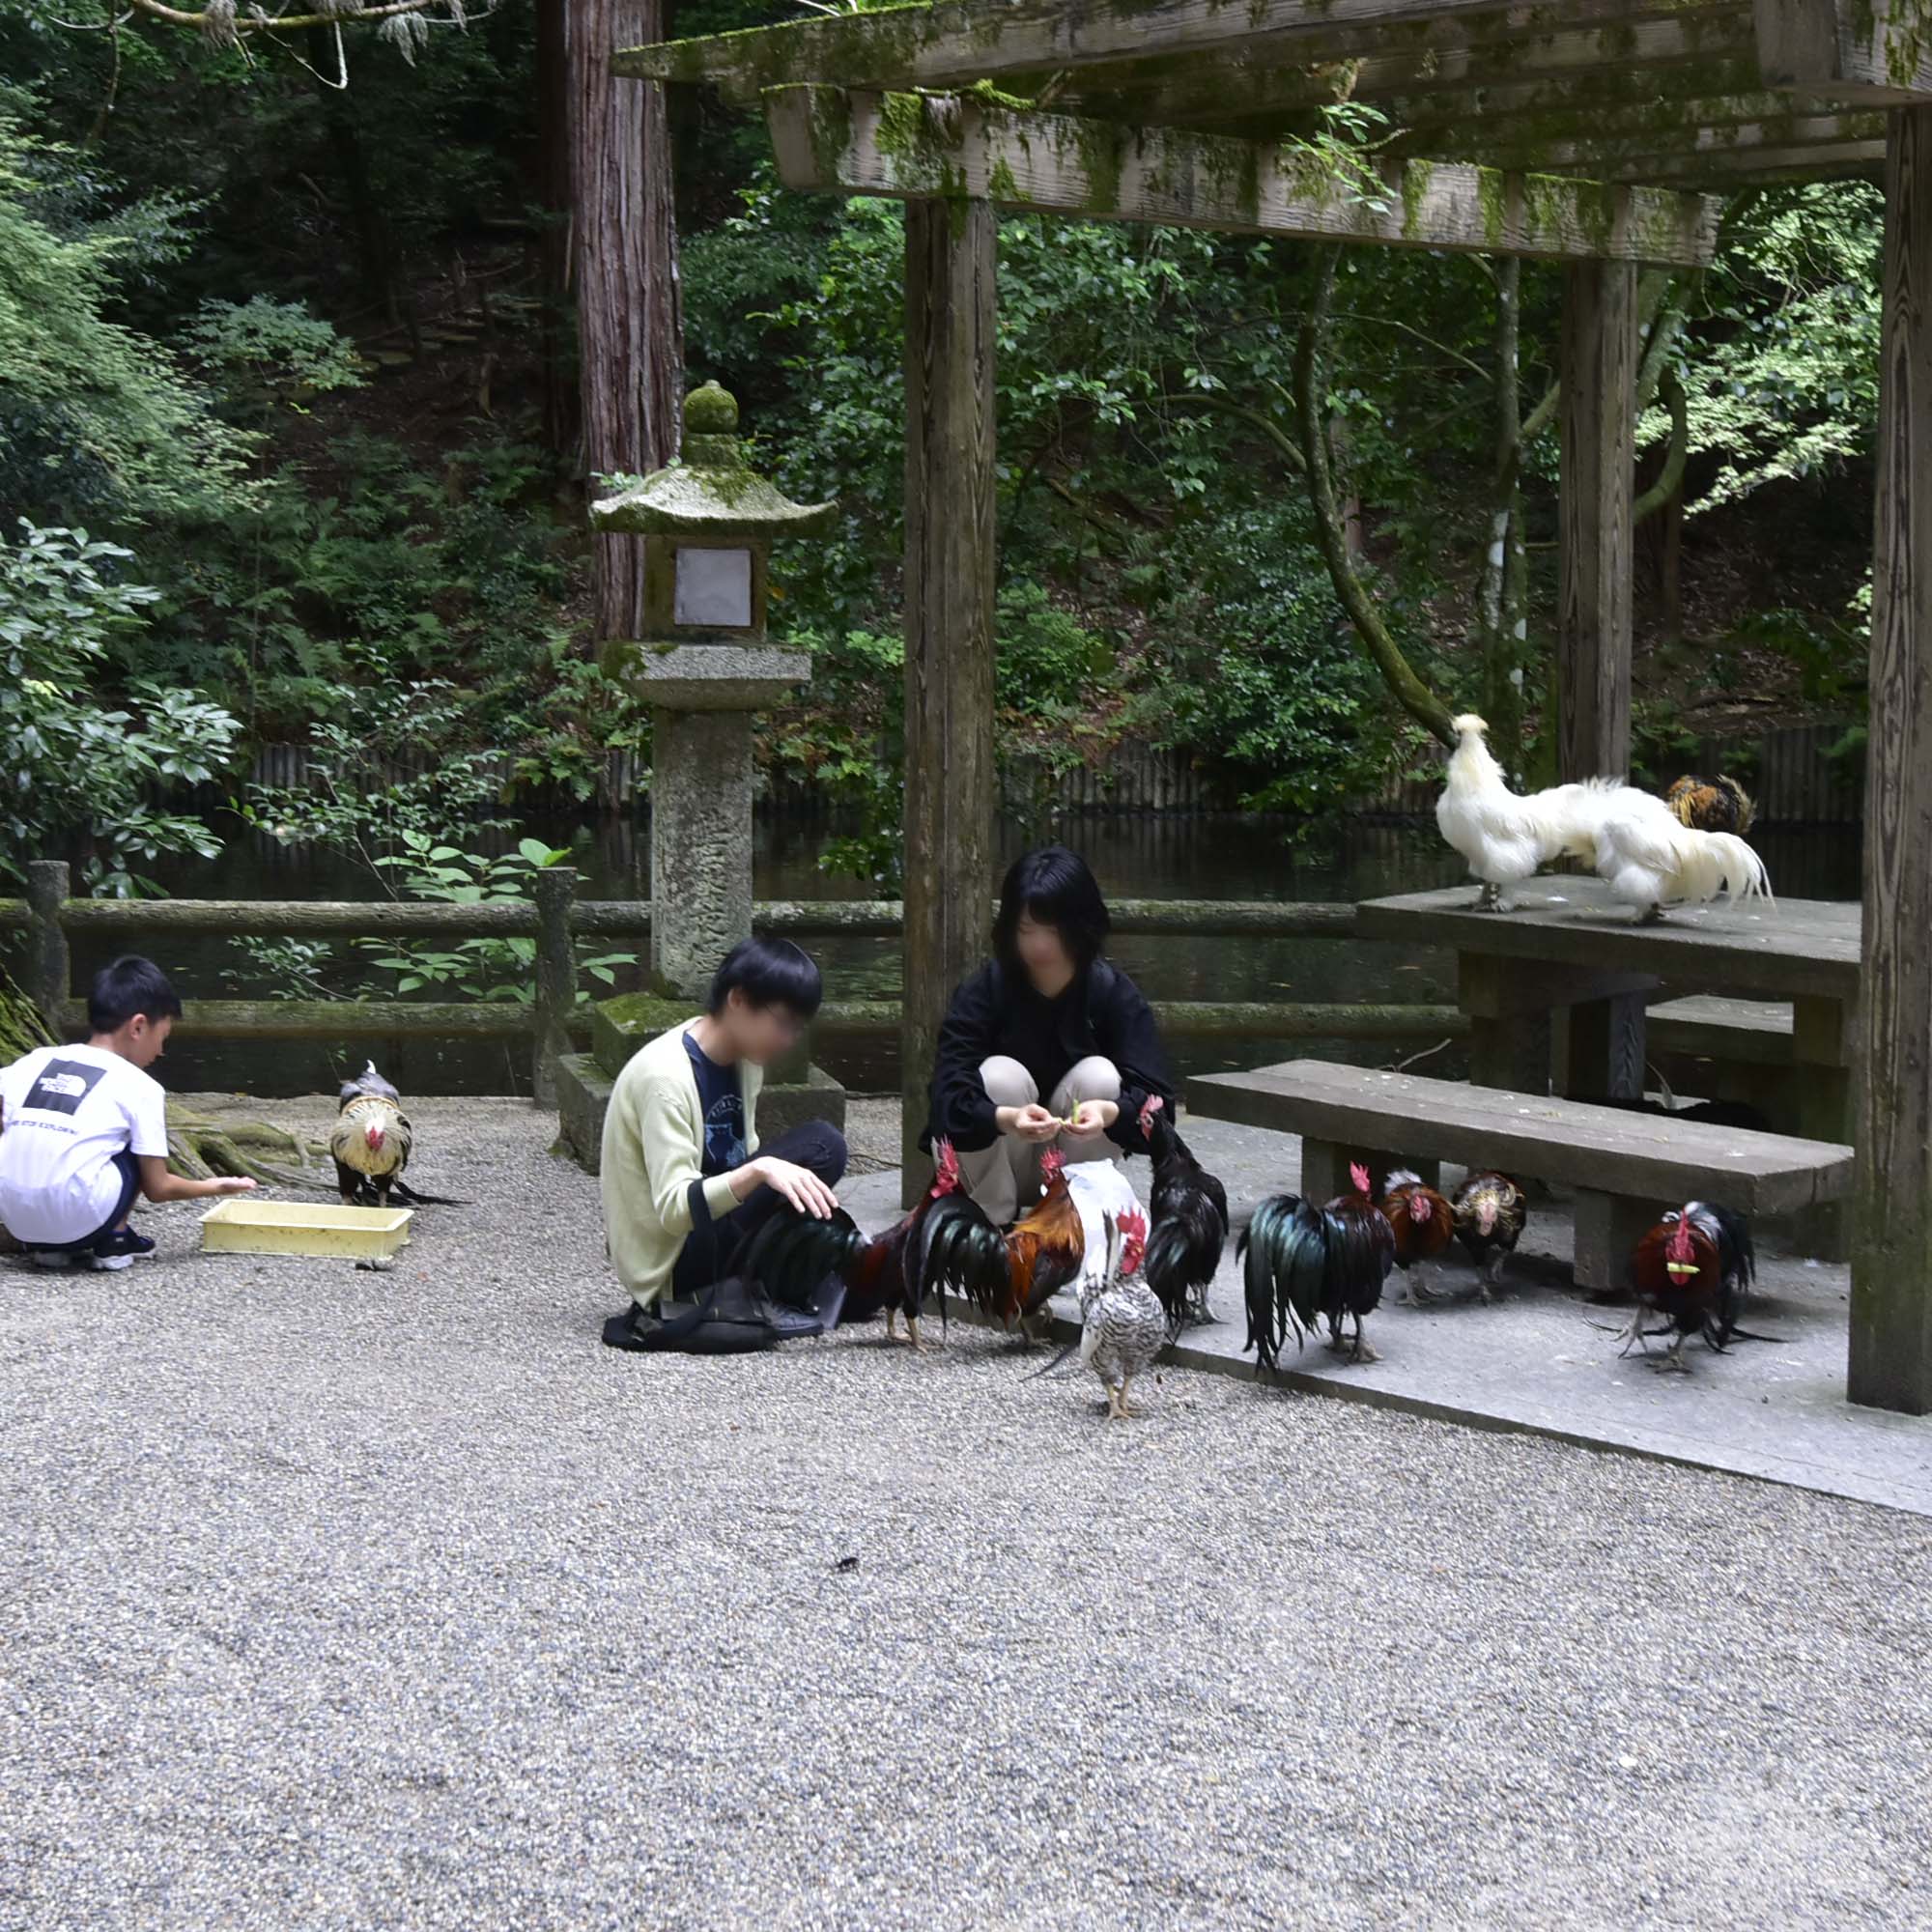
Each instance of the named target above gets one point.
<point>63,1085</point>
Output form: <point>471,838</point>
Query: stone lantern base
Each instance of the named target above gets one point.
<point>794,1090</point>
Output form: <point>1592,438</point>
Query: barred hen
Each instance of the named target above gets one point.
<point>945,1244</point>
<point>370,1140</point>
<point>1694,1268</point>
<point>1420,1219</point>
<point>1189,1210</point>
<point>1490,1211</point>
<point>1711,805</point>
<point>1045,1249</point>
<point>1301,1263</point>
<point>1123,1325</point>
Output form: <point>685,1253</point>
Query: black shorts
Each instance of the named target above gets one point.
<point>130,1185</point>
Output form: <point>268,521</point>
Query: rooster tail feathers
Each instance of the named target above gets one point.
<point>961,1252</point>
<point>792,1253</point>
<point>1283,1255</point>
<point>1181,1253</point>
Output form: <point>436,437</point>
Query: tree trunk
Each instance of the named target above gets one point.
<point>624,265</point>
<point>1499,640</point>
<point>550,191</point>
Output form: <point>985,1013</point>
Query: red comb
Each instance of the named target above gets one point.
<point>1134,1239</point>
<point>1359,1176</point>
<point>1051,1161</point>
<point>945,1180</point>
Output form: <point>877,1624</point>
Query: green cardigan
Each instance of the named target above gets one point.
<point>653,1150</point>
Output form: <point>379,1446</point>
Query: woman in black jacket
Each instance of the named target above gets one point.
<point>1045,1015</point>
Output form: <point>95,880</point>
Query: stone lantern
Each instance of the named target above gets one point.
<point>703,667</point>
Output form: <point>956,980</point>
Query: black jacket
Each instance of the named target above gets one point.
<point>995,1012</point>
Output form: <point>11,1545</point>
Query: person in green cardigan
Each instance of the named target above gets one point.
<point>680,1136</point>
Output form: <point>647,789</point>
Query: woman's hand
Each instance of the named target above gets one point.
<point>1092,1117</point>
<point>798,1185</point>
<point>1030,1122</point>
<point>234,1183</point>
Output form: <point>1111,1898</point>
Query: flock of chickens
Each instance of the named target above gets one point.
<point>1141,1275</point>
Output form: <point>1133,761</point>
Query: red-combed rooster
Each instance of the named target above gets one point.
<point>1694,1268</point>
<point>1490,1211</point>
<point>1189,1207</point>
<point>1045,1249</point>
<point>945,1244</point>
<point>1300,1262</point>
<point>1423,1225</point>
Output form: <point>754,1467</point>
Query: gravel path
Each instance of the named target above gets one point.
<point>332,1599</point>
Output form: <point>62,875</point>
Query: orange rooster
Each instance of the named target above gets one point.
<point>1423,1224</point>
<point>1711,805</point>
<point>1044,1248</point>
<point>1694,1268</point>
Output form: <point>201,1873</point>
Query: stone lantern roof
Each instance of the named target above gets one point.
<point>712,492</point>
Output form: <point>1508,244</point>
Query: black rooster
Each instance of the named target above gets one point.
<point>1188,1208</point>
<point>1301,1263</point>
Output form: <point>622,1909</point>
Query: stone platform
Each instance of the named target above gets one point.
<point>1541,1361</point>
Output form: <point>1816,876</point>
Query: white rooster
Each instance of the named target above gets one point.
<point>1507,838</point>
<point>1634,842</point>
<point>1102,1193</point>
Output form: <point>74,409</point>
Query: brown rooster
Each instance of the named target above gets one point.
<point>945,1244</point>
<point>1711,805</point>
<point>1490,1211</point>
<point>1422,1225</point>
<point>1694,1268</point>
<point>1045,1249</point>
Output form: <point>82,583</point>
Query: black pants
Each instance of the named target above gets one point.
<point>129,1169</point>
<point>705,1257</point>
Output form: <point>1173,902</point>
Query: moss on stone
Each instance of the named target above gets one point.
<point>711,409</point>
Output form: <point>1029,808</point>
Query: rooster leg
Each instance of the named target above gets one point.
<point>1673,1358</point>
<point>912,1334</point>
<point>1490,898</point>
<point>1117,1403</point>
<point>1364,1351</point>
<point>891,1324</point>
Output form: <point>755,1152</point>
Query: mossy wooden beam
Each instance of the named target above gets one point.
<point>1870,52</point>
<point>965,41</point>
<point>1720,151</point>
<point>1273,79</point>
<point>922,147</point>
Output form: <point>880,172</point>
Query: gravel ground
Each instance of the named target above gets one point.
<point>338,1598</point>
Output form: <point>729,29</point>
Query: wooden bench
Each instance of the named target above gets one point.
<point>1624,1168</point>
<point>1730,1050</point>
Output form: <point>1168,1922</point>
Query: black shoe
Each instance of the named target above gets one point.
<point>632,1328</point>
<point>122,1242</point>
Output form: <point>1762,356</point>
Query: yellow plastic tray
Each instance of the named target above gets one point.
<point>299,1228</point>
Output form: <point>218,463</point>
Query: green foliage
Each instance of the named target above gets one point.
<point>264,353</point>
<point>1783,380</point>
<point>98,423</point>
<point>76,767</point>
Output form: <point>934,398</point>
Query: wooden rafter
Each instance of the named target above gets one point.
<point>963,40</point>
<point>1878,52</point>
<point>1638,147</point>
<point>922,147</point>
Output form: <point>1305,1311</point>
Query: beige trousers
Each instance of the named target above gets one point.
<point>1003,1175</point>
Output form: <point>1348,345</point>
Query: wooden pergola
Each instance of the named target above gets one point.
<point>1588,132</point>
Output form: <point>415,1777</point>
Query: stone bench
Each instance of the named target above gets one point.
<point>1623,1168</point>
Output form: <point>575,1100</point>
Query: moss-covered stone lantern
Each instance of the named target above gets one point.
<point>703,667</point>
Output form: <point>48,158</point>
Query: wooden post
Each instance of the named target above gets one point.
<point>556,978</point>
<point>1890,1364</point>
<point>950,286</point>
<point>1592,577</point>
<point>49,966</point>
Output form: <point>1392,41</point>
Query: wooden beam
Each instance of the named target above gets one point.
<point>1891,1362</point>
<point>962,147</point>
<point>1272,79</point>
<point>1599,456</point>
<point>1874,52</point>
<point>1738,147</point>
<point>949,553</point>
<point>965,41</point>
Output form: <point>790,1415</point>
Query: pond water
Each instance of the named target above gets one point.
<point>1209,857</point>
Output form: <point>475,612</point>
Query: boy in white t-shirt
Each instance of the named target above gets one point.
<point>84,1128</point>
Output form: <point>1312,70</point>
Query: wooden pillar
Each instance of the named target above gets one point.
<point>950,284</point>
<point>556,979</point>
<point>1890,1363</point>
<point>1593,579</point>
<point>49,967</point>
<point>1593,560</point>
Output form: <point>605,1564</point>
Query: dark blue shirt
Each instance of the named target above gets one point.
<point>721,1103</point>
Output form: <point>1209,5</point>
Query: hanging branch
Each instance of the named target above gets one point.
<point>1407,689</point>
<point>224,23</point>
<point>1670,478</point>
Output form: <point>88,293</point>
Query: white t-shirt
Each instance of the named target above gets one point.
<point>65,1112</point>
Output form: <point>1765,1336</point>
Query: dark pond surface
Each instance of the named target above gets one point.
<point>1212,857</point>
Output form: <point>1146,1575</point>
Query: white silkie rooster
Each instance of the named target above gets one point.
<point>1634,842</point>
<point>1102,1193</point>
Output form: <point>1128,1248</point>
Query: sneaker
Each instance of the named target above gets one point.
<point>121,1246</point>
<point>106,1263</point>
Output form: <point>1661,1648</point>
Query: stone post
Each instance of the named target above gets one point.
<point>700,842</point>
